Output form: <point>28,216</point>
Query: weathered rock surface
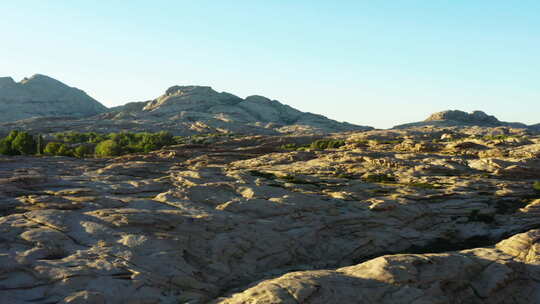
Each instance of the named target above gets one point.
<point>506,273</point>
<point>459,118</point>
<point>198,223</point>
<point>42,96</point>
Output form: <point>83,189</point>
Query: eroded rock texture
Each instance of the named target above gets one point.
<point>506,273</point>
<point>200,223</point>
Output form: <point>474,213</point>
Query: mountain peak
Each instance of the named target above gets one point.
<point>190,89</point>
<point>44,96</point>
<point>6,81</point>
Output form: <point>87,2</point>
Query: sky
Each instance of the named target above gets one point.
<point>377,63</point>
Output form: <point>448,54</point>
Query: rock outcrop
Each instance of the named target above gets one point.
<point>505,273</point>
<point>42,96</point>
<point>458,118</point>
<point>476,117</point>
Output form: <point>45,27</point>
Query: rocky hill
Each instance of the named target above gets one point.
<point>42,96</point>
<point>456,118</point>
<point>201,107</point>
<point>391,216</point>
<point>182,110</point>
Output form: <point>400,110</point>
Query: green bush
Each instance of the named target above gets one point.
<point>290,146</point>
<point>24,143</point>
<point>5,147</point>
<point>113,144</point>
<point>83,151</point>
<point>323,144</point>
<point>12,135</point>
<point>52,148</point>
<point>536,186</point>
<point>58,149</point>
<point>64,150</point>
<point>108,148</point>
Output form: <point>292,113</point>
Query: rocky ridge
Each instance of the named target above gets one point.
<point>451,118</point>
<point>393,216</point>
<point>42,96</point>
<point>200,107</point>
<point>43,105</point>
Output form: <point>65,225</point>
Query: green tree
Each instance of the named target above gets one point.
<point>64,150</point>
<point>83,151</point>
<point>24,143</point>
<point>5,147</point>
<point>323,144</point>
<point>52,148</point>
<point>39,145</point>
<point>108,148</point>
<point>12,135</point>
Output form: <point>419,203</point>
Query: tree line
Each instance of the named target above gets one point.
<point>90,144</point>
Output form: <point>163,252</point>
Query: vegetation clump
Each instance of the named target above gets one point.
<point>323,144</point>
<point>536,186</point>
<point>290,146</point>
<point>81,145</point>
<point>18,143</point>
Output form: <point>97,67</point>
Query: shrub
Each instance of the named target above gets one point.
<point>12,135</point>
<point>58,149</point>
<point>290,146</point>
<point>83,151</point>
<point>24,143</point>
<point>5,147</point>
<point>64,150</point>
<point>52,148</point>
<point>323,144</point>
<point>108,148</point>
<point>536,186</point>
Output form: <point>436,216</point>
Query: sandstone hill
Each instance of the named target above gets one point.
<point>428,215</point>
<point>459,118</point>
<point>42,96</point>
<point>42,104</point>
<point>201,107</point>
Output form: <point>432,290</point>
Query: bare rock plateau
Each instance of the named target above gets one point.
<point>417,215</point>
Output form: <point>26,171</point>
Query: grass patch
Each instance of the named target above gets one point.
<point>321,144</point>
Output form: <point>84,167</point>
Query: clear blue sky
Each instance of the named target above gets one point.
<point>376,63</point>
